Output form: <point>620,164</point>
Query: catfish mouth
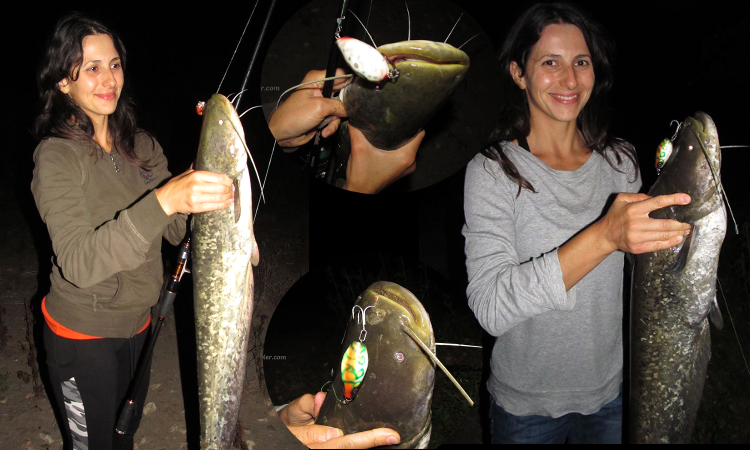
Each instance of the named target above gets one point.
<point>707,135</point>
<point>397,299</point>
<point>437,53</point>
<point>407,300</point>
<point>395,59</point>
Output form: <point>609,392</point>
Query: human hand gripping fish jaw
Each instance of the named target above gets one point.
<point>301,116</point>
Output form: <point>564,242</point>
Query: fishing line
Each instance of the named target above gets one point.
<point>257,106</point>
<point>458,345</point>
<point>309,82</point>
<point>247,150</point>
<point>726,304</point>
<point>238,45</point>
<point>717,180</point>
<point>363,26</point>
<point>273,149</point>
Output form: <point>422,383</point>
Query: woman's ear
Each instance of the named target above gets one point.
<point>64,86</point>
<point>517,74</point>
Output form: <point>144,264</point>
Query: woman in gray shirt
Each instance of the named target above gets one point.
<point>544,247</point>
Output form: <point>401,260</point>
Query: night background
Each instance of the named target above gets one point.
<point>673,58</point>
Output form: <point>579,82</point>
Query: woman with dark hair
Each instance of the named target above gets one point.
<point>545,241</point>
<point>100,185</point>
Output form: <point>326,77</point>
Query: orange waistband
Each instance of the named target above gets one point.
<point>63,331</point>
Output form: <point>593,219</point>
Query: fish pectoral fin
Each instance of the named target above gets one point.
<point>255,255</point>
<point>684,253</point>
<point>237,200</point>
<point>715,315</point>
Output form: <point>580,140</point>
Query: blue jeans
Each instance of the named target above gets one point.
<point>602,427</point>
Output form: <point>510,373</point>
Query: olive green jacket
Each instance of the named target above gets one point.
<point>106,226</point>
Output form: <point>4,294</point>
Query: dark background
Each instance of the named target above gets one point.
<point>673,58</point>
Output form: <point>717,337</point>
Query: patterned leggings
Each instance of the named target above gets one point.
<point>90,379</point>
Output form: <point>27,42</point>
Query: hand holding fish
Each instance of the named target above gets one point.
<point>370,170</point>
<point>297,120</point>
<point>195,191</point>
<point>299,416</point>
<point>629,228</point>
<point>626,227</point>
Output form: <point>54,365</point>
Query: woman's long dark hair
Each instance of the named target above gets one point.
<point>593,121</point>
<point>59,116</point>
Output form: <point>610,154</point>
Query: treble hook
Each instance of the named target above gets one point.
<point>679,125</point>
<point>363,333</point>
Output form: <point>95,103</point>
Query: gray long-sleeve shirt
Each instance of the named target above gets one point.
<point>555,351</point>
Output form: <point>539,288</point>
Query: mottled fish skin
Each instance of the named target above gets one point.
<point>223,248</point>
<point>391,113</point>
<point>670,342</point>
<point>396,392</point>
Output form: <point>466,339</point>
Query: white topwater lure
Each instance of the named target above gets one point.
<point>364,59</point>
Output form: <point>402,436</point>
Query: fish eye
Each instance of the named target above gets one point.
<point>399,357</point>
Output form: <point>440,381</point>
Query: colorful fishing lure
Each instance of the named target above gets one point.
<point>662,154</point>
<point>353,369</point>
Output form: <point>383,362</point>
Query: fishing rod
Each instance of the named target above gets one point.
<point>166,298</point>
<point>333,61</point>
<point>256,51</point>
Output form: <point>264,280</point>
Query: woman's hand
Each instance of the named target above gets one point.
<point>297,119</point>
<point>370,170</point>
<point>196,191</point>
<point>628,227</point>
<point>299,416</point>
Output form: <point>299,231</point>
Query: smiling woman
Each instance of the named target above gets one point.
<point>96,84</point>
<point>103,189</point>
<point>545,273</point>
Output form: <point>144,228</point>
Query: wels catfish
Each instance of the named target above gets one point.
<point>223,250</point>
<point>391,111</point>
<point>421,77</point>
<point>674,292</point>
<point>386,379</point>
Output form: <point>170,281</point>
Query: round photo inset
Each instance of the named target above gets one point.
<point>441,71</point>
<point>377,306</point>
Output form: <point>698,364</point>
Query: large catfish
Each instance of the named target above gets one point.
<point>223,249</point>
<point>674,291</point>
<point>390,112</point>
<point>386,378</point>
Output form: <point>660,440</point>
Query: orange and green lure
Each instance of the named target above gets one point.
<point>353,369</point>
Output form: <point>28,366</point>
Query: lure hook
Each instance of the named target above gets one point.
<point>679,125</point>
<point>363,333</point>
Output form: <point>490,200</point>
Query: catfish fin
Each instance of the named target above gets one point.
<point>715,315</point>
<point>255,255</point>
<point>684,253</point>
<point>237,200</point>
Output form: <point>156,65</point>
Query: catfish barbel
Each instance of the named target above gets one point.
<point>674,291</point>
<point>223,250</point>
